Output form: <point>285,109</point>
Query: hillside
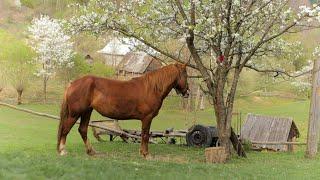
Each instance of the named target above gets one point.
<point>15,21</point>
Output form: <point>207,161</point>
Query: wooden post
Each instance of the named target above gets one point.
<point>202,102</point>
<point>314,114</point>
<point>197,101</point>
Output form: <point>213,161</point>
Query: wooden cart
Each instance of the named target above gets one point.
<point>167,136</point>
<point>197,135</point>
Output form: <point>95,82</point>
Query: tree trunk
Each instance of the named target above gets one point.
<point>224,106</point>
<point>19,100</point>
<point>45,81</point>
<point>224,132</point>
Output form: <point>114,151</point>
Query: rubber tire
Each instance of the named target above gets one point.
<point>215,136</point>
<point>199,136</point>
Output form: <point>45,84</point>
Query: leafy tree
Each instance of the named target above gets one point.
<point>223,37</point>
<point>53,48</point>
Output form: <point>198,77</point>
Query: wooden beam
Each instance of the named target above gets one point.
<point>237,144</point>
<point>279,143</point>
<point>314,114</point>
<point>120,133</point>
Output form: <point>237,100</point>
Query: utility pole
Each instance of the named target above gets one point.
<point>314,114</point>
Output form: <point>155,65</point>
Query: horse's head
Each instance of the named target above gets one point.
<point>181,85</point>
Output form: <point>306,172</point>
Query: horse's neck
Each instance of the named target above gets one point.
<point>167,87</point>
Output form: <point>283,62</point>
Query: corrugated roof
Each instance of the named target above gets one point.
<point>136,62</point>
<point>296,4</point>
<point>259,128</point>
<point>117,47</point>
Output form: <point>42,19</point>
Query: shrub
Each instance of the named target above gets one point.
<point>81,68</point>
<point>100,69</point>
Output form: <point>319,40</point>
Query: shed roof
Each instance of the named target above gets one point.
<point>296,4</point>
<point>117,47</point>
<point>136,62</point>
<point>260,128</point>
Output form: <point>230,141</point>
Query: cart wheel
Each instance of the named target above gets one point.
<point>199,135</point>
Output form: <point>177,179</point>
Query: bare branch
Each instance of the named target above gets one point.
<point>124,32</point>
<point>278,72</point>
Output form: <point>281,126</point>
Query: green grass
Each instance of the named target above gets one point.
<point>28,149</point>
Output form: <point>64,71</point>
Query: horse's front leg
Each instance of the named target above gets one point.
<point>146,123</point>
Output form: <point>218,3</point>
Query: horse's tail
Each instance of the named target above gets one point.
<point>64,113</point>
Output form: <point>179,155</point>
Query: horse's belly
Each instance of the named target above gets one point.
<point>120,110</point>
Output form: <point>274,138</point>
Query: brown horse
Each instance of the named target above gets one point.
<point>139,98</point>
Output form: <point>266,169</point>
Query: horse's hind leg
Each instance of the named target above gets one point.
<point>83,130</point>
<point>65,129</point>
<point>146,123</point>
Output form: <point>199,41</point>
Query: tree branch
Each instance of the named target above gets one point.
<point>279,72</point>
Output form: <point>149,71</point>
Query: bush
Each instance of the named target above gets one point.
<point>82,68</point>
<point>100,69</point>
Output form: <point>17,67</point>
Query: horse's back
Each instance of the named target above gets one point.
<point>111,98</point>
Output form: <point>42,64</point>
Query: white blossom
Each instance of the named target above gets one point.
<point>53,47</point>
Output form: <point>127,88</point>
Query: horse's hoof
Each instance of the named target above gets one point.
<point>148,157</point>
<point>63,153</point>
<point>92,152</point>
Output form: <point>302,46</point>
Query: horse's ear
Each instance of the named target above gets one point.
<point>185,65</point>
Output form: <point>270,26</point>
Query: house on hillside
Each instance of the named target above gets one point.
<point>294,4</point>
<point>115,50</point>
<point>137,63</point>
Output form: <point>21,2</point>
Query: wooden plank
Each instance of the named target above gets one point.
<point>30,111</point>
<point>314,114</point>
<point>120,133</point>
<point>159,133</point>
<point>279,143</point>
<point>237,144</point>
<point>247,126</point>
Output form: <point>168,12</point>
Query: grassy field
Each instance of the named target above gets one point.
<point>27,150</point>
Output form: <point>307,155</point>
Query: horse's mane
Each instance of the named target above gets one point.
<point>160,78</point>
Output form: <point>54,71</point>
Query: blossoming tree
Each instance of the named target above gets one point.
<point>53,47</point>
<point>223,37</point>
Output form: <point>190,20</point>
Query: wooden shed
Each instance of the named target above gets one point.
<point>115,50</point>
<point>136,63</point>
<point>268,132</point>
